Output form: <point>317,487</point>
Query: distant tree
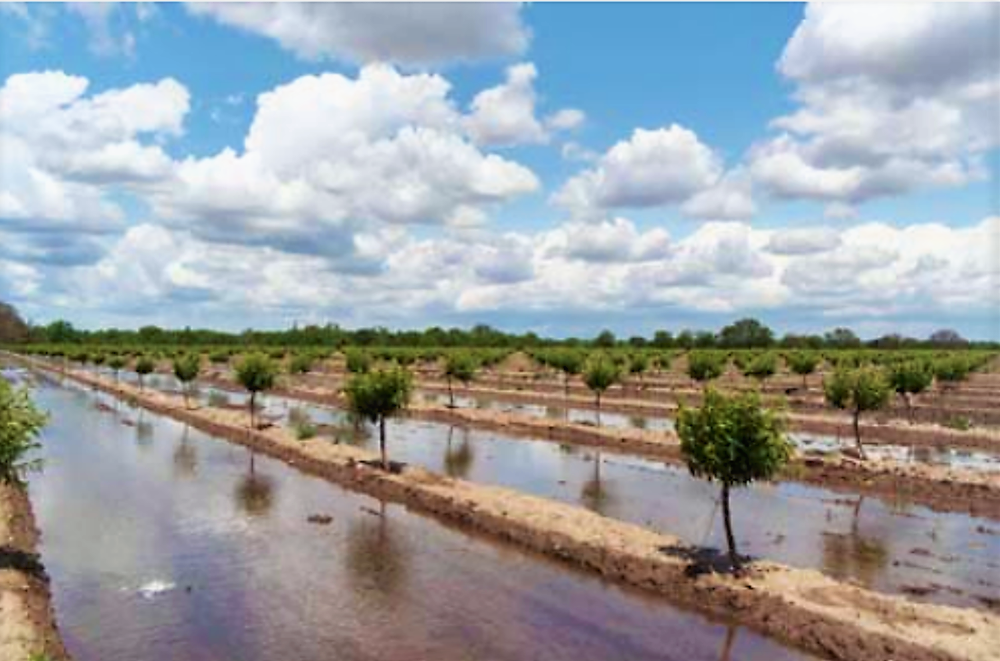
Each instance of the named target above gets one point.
<point>569,362</point>
<point>600,373</point>
<point>857,390</point>
<point>301,363</point>
<point>685,340</point>
<point>256,373</point>
<point>663,340</point>
<point>12,327</point>
<point>908,379</point>
<point>842,338</point>
<point>459,365</point>
<point>143,366</point>
<point>638,363</point>
<point>378,395</point>
<point>704,366</point>
<point>947,337</point>
<point>734,440</point>
<point>637,341</point>
<point>704,339</point>
<point>186,369</point>
<point>746,334</point>
<point>761,367</point>
<point>802,363</point>
<point>116,363</point>
<point>358,361</point>
<point>60,332</point>
<point>605,340</point>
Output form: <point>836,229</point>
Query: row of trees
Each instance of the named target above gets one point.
<point>745,333</point>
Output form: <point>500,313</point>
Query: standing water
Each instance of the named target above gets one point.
<point>163,543</point>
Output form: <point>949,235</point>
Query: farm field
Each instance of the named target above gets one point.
<point>917,520</point>
<point>499,331</point>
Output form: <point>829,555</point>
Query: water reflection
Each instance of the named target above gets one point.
<point>595,495</point>
<point>185,456</point>
<point>852,554</point>
<point>375,555</point>
<point>458,459</point>
<point>254,493</point>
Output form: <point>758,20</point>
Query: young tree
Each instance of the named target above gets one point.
<point>570,362</point>
<point>600,373</point>
<point>857,390</point>
<point>116,363</point>
<point>358,362</point>
<point>910,378</point>
<point>256,373</point>
<point>802,363</point>
<point>143,366</point>
<point>761,367</point>
<point>459,365</point>
<point>301,363</point>
<point>186,369</point>
<point>734,440</point>
<point>375,396</point>
<point>638,363</point>
<point>20,423</point>
<point>704,366</point>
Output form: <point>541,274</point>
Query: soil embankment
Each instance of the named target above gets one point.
<point>27,623</point>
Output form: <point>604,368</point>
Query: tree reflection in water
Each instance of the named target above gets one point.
<point>185,456</point>
<point>851,555</point>
<point>458,460</point>
<point>143,431</point>
<point>595,494</point>
<point>376,555</point>
<point>254,492</point>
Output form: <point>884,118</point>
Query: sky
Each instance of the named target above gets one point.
<point>561,168</point>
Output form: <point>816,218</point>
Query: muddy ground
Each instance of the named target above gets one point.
<point>27,621</point>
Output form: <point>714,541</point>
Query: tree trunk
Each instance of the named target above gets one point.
<point>451,395</point>
<point>857,433</point>
<point>140,383</point>
<point>381,442</point>
<point>598,396</point>
<point>909,407</point>
<point>253,399</point>
<point>734,558</point>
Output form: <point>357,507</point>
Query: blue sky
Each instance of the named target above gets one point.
<point>558,167</point>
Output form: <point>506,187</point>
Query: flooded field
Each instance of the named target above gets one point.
<point>164,543</point>
<point>889,546</point>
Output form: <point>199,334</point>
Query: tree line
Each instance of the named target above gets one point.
<point>747,333</point>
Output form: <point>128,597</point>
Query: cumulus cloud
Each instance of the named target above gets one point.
<point>889,102</point>
<point>652,168</point>
<point>505,115</point>
<point>803,241</point>
<point>329,155</point>
<point>418,35</point>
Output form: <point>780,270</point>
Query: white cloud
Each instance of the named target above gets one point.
<point>505,115</point>
<point>424,34</point>
<point>731,198</point>
<point>105,39</point>
<point>612,241</point>
<point>889,101</point>
<point>803,241</point>
<point>652,168</point>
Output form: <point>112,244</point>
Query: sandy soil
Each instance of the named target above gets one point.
<point>801,607</point>
<point>27,622</point>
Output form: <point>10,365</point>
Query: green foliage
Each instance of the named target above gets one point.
<point>379,394</point>
<point>746,333</point>
<point>910,378</point>
<point>762,366</point>
<point>301,363</point>
<point>732,439</point>
<point>358,361</point>
<point>705,365</point>
<point>958,423</point>
<point>600,373</point>
<point>302,424</point>
<point>460,365</point>
<point>802,363</point>
<point>638,363</point>
<point>20,424</point>
<point>256,372</point>
<point>952,369</point>
<point>116,362</point>
<point>144,366</point>
<point>187,367</point>
<point>859,389</point>
<point>219,357</point>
